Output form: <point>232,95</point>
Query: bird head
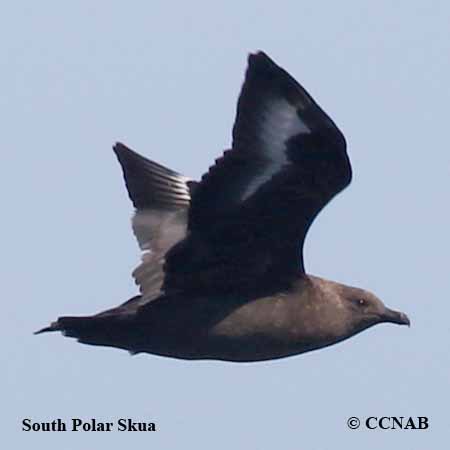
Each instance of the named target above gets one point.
<point>365,309</point>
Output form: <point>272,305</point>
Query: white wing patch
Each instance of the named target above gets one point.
<point>157,230</point>
<point>279,123</point>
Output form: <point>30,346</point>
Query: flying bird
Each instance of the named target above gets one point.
<point>222,274</point>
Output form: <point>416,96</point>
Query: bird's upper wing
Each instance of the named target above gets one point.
<point>251,211</point>
<point>161,198</point>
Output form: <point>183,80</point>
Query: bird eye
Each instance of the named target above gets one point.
<point>359,302</point>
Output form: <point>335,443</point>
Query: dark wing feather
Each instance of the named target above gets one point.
<point>161,198</point>
<point>249,216</point>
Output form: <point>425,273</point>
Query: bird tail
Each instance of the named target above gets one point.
<point>107,330</point>
<point>72,326</point>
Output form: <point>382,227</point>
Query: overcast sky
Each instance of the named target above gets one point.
<point>163,78</point>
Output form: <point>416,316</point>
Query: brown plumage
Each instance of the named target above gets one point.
<point>222,273</point>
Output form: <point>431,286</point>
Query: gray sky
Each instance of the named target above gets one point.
<point>164,78</point>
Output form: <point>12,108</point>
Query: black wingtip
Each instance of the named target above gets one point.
<point>259,57</point>
<point>264,72</point>
<point>267,74</point>
<point>118,146</point>
<point>121,149</point>
<point>149,184</point>
<point>262,62</point>
<point>125,153</point>
<point>131,160</point>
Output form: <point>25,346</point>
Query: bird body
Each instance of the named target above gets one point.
<point>222,273</point>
